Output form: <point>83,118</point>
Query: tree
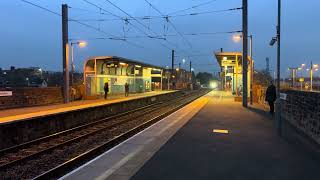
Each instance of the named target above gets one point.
<point>262,77</point>
<point>204,78</point>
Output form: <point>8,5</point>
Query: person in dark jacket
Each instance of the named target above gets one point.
<point>106,90</point>
<point>271,96</point>
<point>126,89</point>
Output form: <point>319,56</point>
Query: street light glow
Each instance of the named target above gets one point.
<point>82,43</point>
<point>237,38</point>
<point>225,58</point>
<point>183,61</point>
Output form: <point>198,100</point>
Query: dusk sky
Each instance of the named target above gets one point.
<point>31,36</point>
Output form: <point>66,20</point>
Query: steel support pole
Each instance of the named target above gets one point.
<point>190,68</point>
<point>278,120</point>
<point>172,61</point>
<point>245,53</point>
<point>172,66</point>
<point>279,47</point>
<point>72,64</point>
<point>311,77</point>
<point>252,71</point>
<point>65,53</point>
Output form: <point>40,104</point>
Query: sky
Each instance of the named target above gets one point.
<point>31,36</point>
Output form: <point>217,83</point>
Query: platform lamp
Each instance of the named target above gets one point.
<point>80,44</point>
<point>277,39</point>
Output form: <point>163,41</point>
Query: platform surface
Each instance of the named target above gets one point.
<point>30,112</point>
<point>183,146</point>
<point>126,159</point>
<point>250,150</point>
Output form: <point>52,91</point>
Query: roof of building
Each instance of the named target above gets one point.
<point>124,60</point>
<point>230,56</point>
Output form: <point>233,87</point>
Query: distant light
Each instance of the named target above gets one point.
<point>192,69</point>
<point>167,67</point>
<point>173,76</point>
<point>183,61</point>
<point>156,69</point>
<point>123,64</point>
<point>317,69</point>
<point>82,43</point>
<point>299,68</point>
<point>308,69</point>
<point>213,84</point>
<point>177,69</point>
<point>315,65</point>
<point>237,38</point>
<point>138,66</point>
<point>40,69</point>
<point>303,65</point>
<point>225,58</point>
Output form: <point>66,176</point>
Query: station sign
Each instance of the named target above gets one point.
<point>5,93</point>
<point>228,63</point>
<point>283,96</point>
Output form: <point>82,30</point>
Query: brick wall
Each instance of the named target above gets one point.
<point>24,97</point>
<point>302,110</point>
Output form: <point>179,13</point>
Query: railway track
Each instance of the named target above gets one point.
<point>52,156</point>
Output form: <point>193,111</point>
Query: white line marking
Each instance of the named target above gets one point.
<point>115,167</point>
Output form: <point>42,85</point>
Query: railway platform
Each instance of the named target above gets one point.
<point>17,114</point>
<point>211,138</point>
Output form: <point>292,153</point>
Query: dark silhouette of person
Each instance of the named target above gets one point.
<point>106,90</point>
<point>126,89</point>
<point>271,96</point>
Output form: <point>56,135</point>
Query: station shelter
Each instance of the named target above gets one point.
<point>231,71</point>
<point>117,71</point>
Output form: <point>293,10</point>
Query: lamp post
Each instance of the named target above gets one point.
<point>80,44</point>
<point>311,74</point>
<point>245,53</point>
<point>272,42</point>
<point>294,74</point>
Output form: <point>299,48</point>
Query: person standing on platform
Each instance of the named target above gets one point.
<point>271,96</point>
<point>126,89</point>
<point>106,90</point>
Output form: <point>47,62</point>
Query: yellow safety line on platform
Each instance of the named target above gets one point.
<point>66,109</point>
<point>222,131</point>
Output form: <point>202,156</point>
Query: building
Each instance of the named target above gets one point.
<point>22,77</point>
<point>231,71</point>
<point>117,71</point>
